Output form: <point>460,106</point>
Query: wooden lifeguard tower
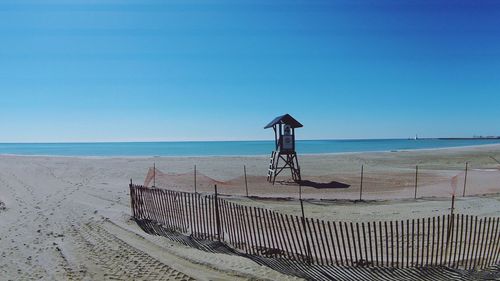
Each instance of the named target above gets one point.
<point>284,137</point>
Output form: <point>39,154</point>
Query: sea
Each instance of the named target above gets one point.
<point>229,148</point>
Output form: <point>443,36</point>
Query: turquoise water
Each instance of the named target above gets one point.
<point>221,148</point>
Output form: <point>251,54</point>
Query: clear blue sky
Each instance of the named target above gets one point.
<point>103,70</point>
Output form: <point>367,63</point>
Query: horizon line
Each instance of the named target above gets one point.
<point>256,140</point>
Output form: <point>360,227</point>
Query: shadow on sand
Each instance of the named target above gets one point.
<point>321,185</point>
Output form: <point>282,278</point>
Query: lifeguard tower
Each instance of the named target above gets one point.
<point>284,137</point>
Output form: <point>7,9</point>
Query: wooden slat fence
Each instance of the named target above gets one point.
<point>456,241</point>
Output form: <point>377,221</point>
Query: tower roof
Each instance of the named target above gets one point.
<point>284,119</point>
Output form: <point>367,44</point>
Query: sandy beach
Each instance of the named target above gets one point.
<point>249,140</point>
<point>68,218</point>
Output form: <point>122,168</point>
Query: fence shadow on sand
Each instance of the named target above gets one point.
<point>452,247</point>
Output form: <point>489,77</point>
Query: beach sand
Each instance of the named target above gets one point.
<point>69,218</point>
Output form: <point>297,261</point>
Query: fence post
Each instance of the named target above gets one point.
<point>465,179</point>
<point>154,174</point>
<point>195,179</point>
<point>246,183</point>
<point>449,234</point>
<point>132,199</point>
<point>305,232</point>
<point>217,217</point>
<point>361,184</point>
<point>416,181</point>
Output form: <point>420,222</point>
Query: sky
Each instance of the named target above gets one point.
<point>145,70</point>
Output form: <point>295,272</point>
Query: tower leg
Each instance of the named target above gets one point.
<point>271,169</point>
<point>277,160</point>
<point>297,168</point>
<point>291,162</point>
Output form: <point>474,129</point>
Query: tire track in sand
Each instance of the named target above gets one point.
<point>117,260</point>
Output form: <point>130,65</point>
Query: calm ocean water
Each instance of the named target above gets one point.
<point>226,147</point>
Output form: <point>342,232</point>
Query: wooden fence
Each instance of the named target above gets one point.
<point>456,241</point>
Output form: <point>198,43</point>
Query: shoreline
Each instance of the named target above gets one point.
<point>250,156</point>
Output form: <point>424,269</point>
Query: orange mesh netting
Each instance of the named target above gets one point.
<point>184,180</point>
